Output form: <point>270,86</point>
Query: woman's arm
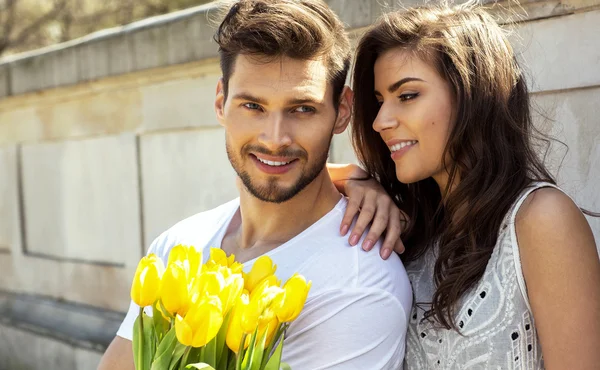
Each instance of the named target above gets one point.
<point>562,273</point>
<point>368,199</point>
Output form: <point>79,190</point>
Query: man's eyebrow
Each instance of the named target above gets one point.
<point>396,85</point>
<point>307,100</point>
<point>247,96</point>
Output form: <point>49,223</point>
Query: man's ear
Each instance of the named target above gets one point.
<point>220,102</point>
<point>344,111</point>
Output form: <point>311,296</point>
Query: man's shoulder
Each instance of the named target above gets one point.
<point>196,230</point>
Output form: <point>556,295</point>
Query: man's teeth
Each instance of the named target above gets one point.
<point>396,147</point>
<point>271,163</point>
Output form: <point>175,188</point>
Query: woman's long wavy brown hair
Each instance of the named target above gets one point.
<point>491,148</point>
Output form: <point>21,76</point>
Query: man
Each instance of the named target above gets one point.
<point>280,100</point>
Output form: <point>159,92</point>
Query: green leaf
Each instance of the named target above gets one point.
<point>200,366</point>
<point>177,354</point>
<point>144,341</point>
<point>231,364</point>
<point>275,360</point>
<point>222,350</point>
<point>210,352</point>
<point>258,352</point>
<point>194,355</point>
<point>164,353</point>
<point>278,333</point>
<point>161,326</point>
<point>250,352</point>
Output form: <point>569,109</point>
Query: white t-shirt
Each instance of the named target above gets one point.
<point>357,310</point>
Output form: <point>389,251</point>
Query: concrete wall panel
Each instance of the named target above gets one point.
<point>561,52</point>
<point>81,199</point>
<point>183,173</point>
<point>41,352</point>
<point>574,121</point>
<point>9,203</point>
<point>180,103</point>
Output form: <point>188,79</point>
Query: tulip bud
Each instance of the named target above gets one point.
<point>261,269</point>
<point>235,331</point>
<point>174,288</point>
<point>189,256</point>
<point>201,323</point>
<point>288,305</point>
<point>146,281</point>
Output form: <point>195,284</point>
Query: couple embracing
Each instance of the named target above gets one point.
<point>487,277</point>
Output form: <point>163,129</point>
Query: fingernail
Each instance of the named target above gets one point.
<point>385,254</point>
<point>344,230</point>
<point>367,245</point>
<point>353,239</point>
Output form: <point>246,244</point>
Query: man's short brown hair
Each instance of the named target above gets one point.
<point>298,29</point>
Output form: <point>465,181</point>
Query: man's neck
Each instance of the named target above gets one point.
<point>259,227</point>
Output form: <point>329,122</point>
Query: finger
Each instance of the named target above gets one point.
<point>378,225</point>
<point>351,210</point>
<point>399,247</point>
<point>393,232</point>
<point>391,239</point>
<point>365,216</point>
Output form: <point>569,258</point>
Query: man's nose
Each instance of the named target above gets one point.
<point>275,133</point>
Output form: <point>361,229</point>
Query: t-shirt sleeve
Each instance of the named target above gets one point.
<point>160,246</point>
<point>356,328</point>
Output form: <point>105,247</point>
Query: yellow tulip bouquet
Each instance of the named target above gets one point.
<point>212,315</point>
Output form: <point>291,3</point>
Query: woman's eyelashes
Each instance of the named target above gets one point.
<point>408,96</point>
<point>402,97</point>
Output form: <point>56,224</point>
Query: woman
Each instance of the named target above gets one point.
<point>503,264</point>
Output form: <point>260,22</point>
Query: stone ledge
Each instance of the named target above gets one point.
<point>186,36</point>
<point>78,325</point>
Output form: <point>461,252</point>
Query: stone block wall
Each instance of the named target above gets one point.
<point>107,141</point>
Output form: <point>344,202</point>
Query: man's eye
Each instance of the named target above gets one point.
<point>252,106</point>
<point>411,96</point>
<point>304,109</point>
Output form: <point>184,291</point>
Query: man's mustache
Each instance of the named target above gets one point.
<point>286,153</point>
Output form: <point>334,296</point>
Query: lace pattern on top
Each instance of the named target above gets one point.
<point>495,319</point>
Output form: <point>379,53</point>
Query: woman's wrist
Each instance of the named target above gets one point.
<point>341,173</point>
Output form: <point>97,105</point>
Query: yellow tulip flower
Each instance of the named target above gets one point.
<point>208,283</point>
<point>288,305</point>
<point>174,288</point>
<point>271,328</point>
<point>269,281</point>
<point>259,312</point>
<point>261,269</point>
<point>235,331</point>
<point>201,323</point>
<point>189,256</point>
<point>234,284</point>
<point>146,281</point>
<point>218,258</point>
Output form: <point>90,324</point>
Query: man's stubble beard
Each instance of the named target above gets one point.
<point>271,192</point>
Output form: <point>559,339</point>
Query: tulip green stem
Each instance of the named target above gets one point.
<point>240,354</point>
<point>140,353</point>
<point>267,354</point>
<point>184,360</point>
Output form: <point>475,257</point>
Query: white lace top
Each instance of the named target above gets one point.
<point>498,330</point>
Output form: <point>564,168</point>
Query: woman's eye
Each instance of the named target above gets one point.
<point>252,106</point>
<point>411,96</point>
<point>304,109</point>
